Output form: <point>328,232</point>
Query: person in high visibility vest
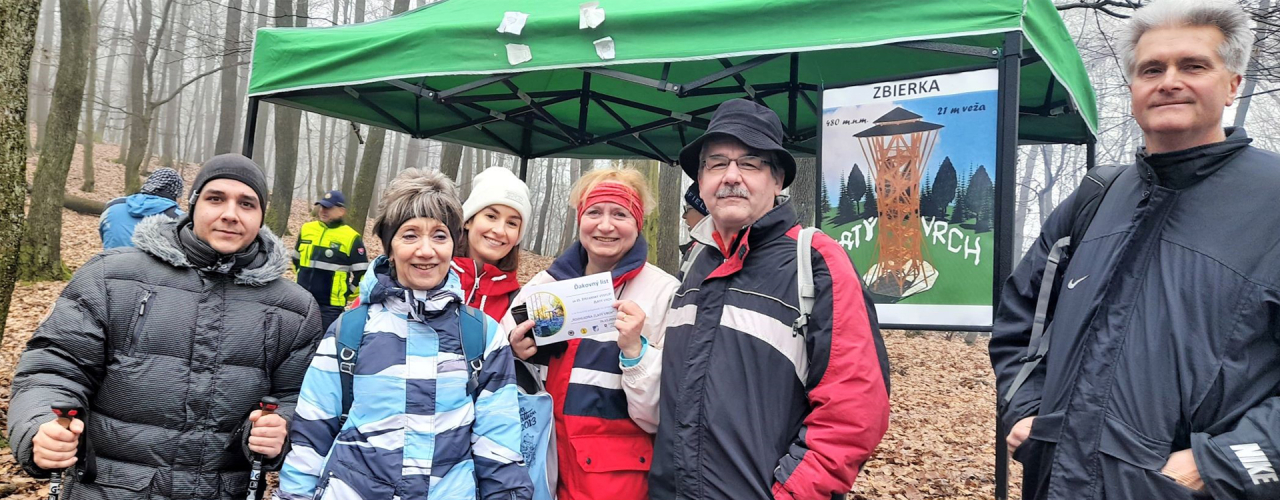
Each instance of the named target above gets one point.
<point>330,258</point>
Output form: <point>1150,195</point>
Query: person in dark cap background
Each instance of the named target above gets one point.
<point>159,195</point>
<point>694,211</point>
<point>329,258</point>
<point>783,406</point>
<point>168,346</point>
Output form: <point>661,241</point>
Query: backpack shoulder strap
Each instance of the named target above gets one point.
<point>1088,197</point>
<point>804,280</point>
<point>694,251</point>
<point>471,326</point>
<point>1097,181</point>
<point>350,329</point>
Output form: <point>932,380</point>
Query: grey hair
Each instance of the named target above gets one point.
<point>1225,15</point>
<point>769,156</point>
<point>418,193</point>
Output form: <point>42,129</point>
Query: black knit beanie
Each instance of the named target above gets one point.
<point>235,167</point>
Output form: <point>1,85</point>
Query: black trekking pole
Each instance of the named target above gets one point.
<point>268,405</point>
<point>64,412</point>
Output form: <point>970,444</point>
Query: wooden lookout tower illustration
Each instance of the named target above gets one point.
<point>898,147</point>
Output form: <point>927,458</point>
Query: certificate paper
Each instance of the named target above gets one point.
<point>570,309</point>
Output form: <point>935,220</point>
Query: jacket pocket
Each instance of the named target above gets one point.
<point>608,453</point>
<point>140,324</point>
<point>123,476</point>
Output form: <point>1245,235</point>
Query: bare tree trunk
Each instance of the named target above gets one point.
<point>351,156</point>
<point>450,159</point>
<point>210,118</point>
<point>361,197</point>
<point>411,157</point>
<point>86,127</point>
<point>139,115</point>
<point>802,191</point>
<point>100,129</point>
<point>173,63</point>
<point>1023,203</point>
<point>40,93</point>
<point>548,190</point>
<point>286,134</point>
<point>230,109</point>
<point>17,41</point>
<point>567,234</point>
<point>320,157</point>
<point>40,257</point>
<point>668,217</point>
<point>467,171</point>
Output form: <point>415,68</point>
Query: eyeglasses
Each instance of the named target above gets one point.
<point>748,163</point>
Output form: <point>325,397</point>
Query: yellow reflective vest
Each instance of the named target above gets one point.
<point>329,261</point>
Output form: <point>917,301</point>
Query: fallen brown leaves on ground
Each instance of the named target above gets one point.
<point>940,444</point>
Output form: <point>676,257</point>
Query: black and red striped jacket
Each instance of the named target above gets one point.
<point>749,409</point>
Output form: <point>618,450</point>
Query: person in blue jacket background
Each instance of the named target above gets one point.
<point>159,195</point>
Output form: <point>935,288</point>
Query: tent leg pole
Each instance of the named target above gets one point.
<point>524,169</point>
<point>1009,67</point>
<point>250,127</point>
<point>1091,153</point>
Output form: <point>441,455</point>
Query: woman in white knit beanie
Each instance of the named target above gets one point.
<point>487,257</point>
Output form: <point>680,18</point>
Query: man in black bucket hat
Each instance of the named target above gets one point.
<point>756,400</point>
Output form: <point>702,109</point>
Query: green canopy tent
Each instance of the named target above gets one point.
<point>442,71</point>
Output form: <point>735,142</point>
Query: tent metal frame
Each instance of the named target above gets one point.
<point>532,118</point>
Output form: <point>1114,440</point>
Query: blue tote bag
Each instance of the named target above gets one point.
<point>537,430</point>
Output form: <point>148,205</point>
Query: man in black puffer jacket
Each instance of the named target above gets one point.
<point>168,346</point>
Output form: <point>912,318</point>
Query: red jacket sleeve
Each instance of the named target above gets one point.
<point>846,384</point>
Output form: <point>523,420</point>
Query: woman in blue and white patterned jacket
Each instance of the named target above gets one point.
<point>413,431</point>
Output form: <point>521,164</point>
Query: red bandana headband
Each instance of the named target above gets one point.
<point>616,193</point>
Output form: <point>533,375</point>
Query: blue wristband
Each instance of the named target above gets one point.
<point>630,362</point>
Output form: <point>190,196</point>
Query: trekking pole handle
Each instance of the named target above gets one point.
<point>64,412</point>
<point>268,405</point>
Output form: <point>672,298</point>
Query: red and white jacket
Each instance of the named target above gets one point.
<point>604,419</point>
<point>750,409</point>
<point>485,287</point>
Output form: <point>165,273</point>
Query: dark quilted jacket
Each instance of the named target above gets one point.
<point>168,360</point>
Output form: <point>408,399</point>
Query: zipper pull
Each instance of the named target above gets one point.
<point>142,308</point>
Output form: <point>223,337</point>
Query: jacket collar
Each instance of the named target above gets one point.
<point>158,235</point>
<point>772,225</point>
<point>380,287</point>
<point>573,262</point>
<point>488,281</point>
<point>1185,168</point>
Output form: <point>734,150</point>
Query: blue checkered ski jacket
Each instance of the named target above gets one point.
<point>412,432</point>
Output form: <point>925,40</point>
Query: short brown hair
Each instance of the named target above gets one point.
<point>418,193</point>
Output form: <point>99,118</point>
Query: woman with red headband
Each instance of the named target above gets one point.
<point>605,397</point>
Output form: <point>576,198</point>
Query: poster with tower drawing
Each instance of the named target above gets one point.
<point>908,176</point>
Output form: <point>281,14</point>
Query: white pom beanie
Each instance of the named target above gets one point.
<point>498,186</point>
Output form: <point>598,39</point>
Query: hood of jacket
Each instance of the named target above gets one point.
<point>142,205</point>
<point>158,236</point>
<point>379,287</point>
<point>573,262</point>
<point>490,281</point>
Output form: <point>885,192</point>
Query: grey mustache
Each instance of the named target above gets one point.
<point>735,190</point>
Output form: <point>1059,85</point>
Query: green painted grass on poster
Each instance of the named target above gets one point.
<point>960,282</point>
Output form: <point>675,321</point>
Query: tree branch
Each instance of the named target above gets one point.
<point>156,104</point>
